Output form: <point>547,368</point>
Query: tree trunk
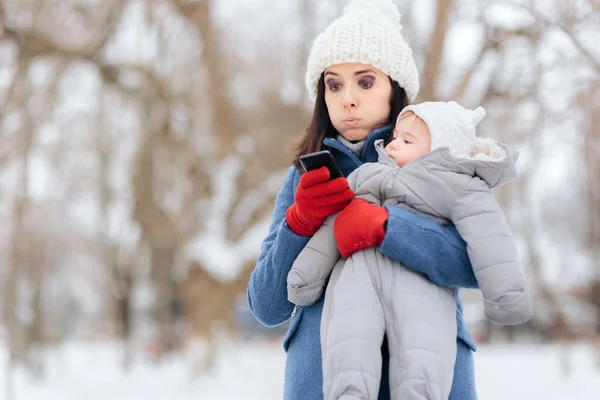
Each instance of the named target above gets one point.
<point>166,303</point>
<point>20,207</point>
<point>198,14</point>
<point>435,50</point>
<point>591,149</point>
<point>158,231</point>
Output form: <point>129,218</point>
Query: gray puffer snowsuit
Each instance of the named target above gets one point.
<point>369,295</point>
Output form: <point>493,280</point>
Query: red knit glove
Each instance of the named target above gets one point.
<point>361,225</point>
<point>316,199</point>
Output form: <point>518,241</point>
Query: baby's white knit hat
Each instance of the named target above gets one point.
<point>367,33</point>
<point>450,124</point>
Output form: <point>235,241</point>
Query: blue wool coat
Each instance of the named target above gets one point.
<point>417,242</point>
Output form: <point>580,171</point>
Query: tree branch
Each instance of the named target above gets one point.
<point>589,57</point>
<point>464,82</point>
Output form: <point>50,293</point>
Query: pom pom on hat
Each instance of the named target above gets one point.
<point>478,115</point>
<point>387,7</point>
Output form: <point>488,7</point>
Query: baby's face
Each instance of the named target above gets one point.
<point>411,140</point>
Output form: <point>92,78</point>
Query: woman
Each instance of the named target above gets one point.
<point>361,74</point>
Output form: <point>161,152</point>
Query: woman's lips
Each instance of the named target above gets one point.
<point>351,121</point>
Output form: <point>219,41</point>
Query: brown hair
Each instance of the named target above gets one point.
<point>320,126</point>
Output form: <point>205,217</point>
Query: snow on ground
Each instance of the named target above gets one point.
<point>255,371</point>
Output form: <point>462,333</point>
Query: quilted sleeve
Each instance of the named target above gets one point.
<point>311,269</point>
<point>493,254</point>
<point>365,181</point>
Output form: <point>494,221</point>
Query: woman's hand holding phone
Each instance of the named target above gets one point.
<point>316,198</point>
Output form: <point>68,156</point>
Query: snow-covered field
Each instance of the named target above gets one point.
<point>255,371</point>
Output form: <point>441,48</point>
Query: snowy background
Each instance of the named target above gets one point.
<point>142,144</point>
<point>255,371</point>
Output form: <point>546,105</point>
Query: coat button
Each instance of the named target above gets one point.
<point>355,246</point>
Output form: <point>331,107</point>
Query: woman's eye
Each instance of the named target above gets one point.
<point>334,87</point>
<point>365,84</point>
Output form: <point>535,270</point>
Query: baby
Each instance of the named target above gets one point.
<point>433,166</point>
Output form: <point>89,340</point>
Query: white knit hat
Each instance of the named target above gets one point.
<point>367,33</point>
<point>450,124</point>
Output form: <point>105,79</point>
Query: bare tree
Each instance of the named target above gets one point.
<point>590,102</point>
<point>20,208</point>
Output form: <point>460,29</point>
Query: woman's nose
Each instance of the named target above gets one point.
<point>349,98</point>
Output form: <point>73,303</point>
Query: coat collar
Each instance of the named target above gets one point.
<point>348,161</point>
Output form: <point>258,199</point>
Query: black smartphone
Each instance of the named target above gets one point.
<point>319,159</point>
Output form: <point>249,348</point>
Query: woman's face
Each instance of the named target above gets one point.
<point>357,98</point>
